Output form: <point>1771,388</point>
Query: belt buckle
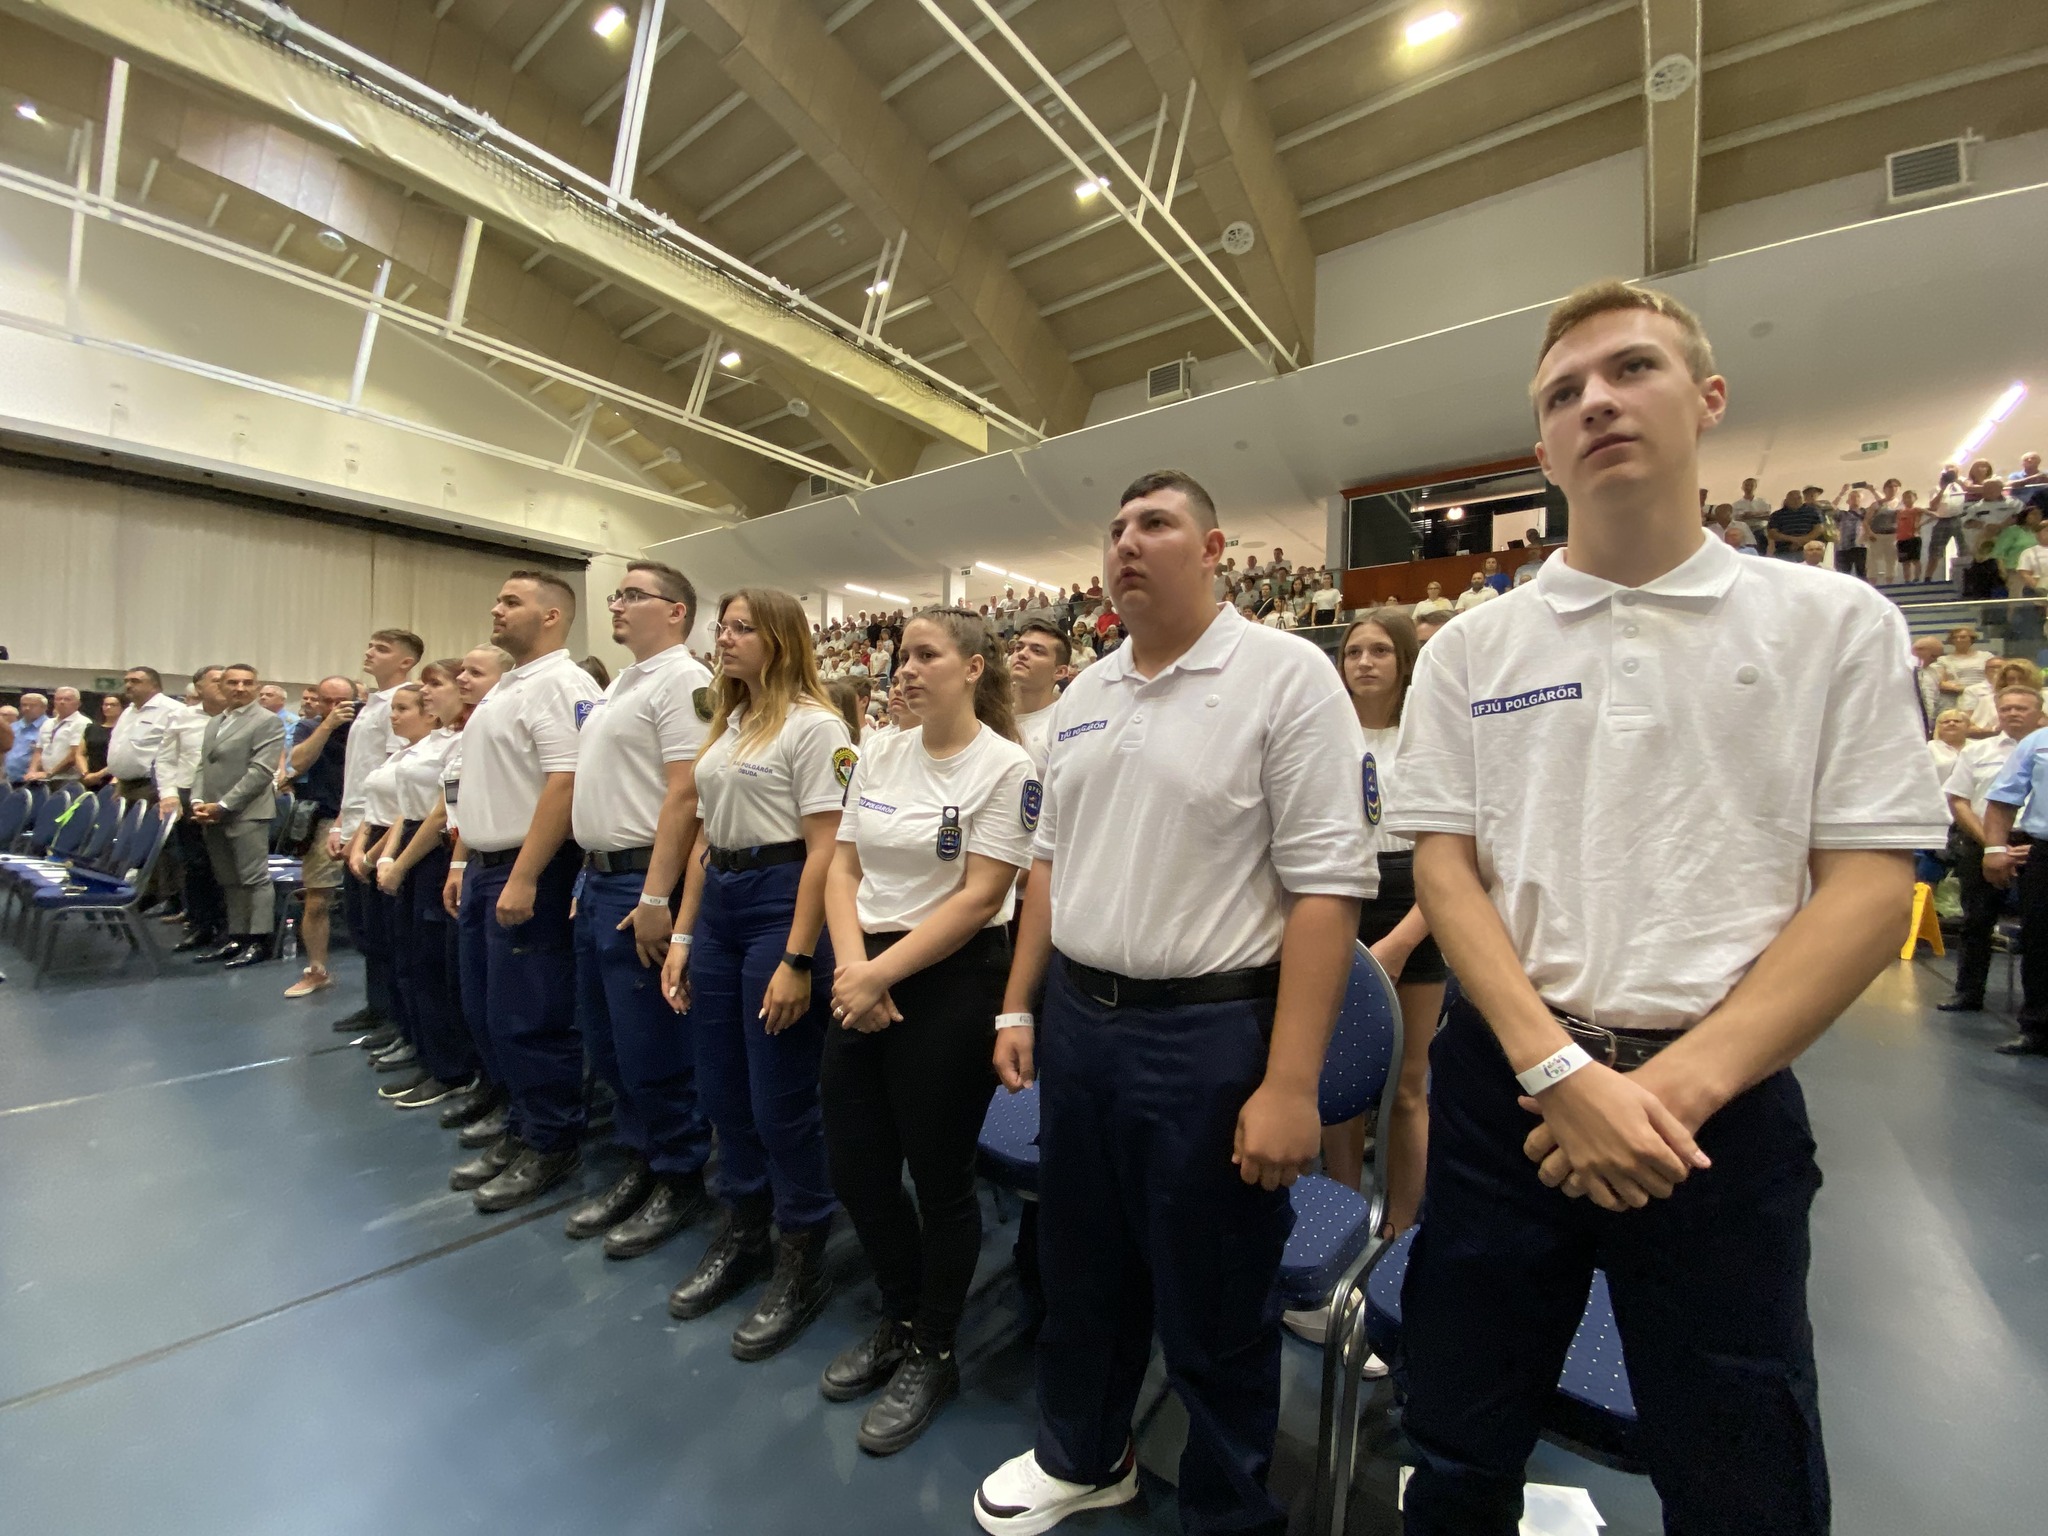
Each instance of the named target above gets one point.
<point>1608,1042</point>
<point>1096,997</point>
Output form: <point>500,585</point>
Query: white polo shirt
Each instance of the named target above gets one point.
<point>761,796</point>
<point>1472,597</point>
<point>370,742</point>
<point>1645,771</point>
<point>520,732</point>
<point>177,756</point>
<point>60,737</point>
<point>1181,811</point>
<point>1976,769</point>
<point>418,769</point>
<point>380,792</point>
<point>451,783</point>
<point>1381,748</point>
<point>653,714</point>
<point>138,734</point>
<point>1035,731</point>
<point>913,817</point>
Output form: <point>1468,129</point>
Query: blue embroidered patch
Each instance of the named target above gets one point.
<point>1556,693</point>
<point>583,709</point>
<point>949,832</point>
<point>1083,730</point>
<point>1033,803</point>
<point>1372,791</point>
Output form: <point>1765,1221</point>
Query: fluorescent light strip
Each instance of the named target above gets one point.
<point>2001,408</point>
<point>863,591</point>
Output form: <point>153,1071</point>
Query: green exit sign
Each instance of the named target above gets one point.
<point>1873,445</point>
<point>107,684</point>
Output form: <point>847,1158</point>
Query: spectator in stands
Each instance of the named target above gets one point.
<point>271,696</point>
<point>1733,536</point>
<point>31,719</point>
<point>60,753</point>
<point>1476,593</point>
<point>2001,673</point>
<point>1494,577</point>
<point>1753,511</point>
<point>1298,602</point>
<point>139,732</point>
<point>2017,801</point>
<point>234,799</point>
<point>1725,526</point>
<point>1427,624</point>
<point>1951,735</point>
<point>1945,521</point>
<point>2028,474</point>
<point>1912,517</point>
<point>318,765</point>
<point>1791,526</point>
<point>1976,769</point>
<point>1851,558</point>
<point>1433,600</point>
<point>1982,577</point>
<point>1814,552</point>
<point>1325,601</point>
<point>1961,671</point>
<point>97,737</point>
<point>1927,650</point>
<point>1881,537</point>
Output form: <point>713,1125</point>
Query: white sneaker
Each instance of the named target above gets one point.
<point>1315,1327</point>
<point>1020,1498</point>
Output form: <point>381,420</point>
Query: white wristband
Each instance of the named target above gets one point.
<point>1552,1070</point>
<point>679,938</point>
<point>382,862</point>
<point>653,901</point>
<point>458,863</point>
<point>1016,1021</point>
<point>1998,848</point>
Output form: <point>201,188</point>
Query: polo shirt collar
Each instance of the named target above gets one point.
<point>1706,574</point>
<point>1209,653</point>
<point>659,659</point>
<point>527,669</point>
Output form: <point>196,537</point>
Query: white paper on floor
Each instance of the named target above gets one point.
<point>1547,1509</point>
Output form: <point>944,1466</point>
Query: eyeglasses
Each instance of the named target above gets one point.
<point>737,628</point>
<point>634,595</point>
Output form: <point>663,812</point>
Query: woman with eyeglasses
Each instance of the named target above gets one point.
<point>937,827</point>
<point>771,779</point>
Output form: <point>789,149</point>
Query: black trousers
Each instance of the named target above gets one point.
<point>369,926</point>
<point>2033,1014</point>
<point>917,1093</point>
<point>206,905</point>
<point>1982,902</point>
<point>1851,562</point>
<point>1709,1292</point>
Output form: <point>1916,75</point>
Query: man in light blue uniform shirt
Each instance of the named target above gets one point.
<point>2018,802</point>
<point>28,735</point>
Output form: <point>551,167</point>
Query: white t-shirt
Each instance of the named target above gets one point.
<point>133,744</point>
<point>1181,811</point>
<point>451,783</point>
<point>60,738</point>
<point>1035,731</point>
<point>520,732</point>
<point>1645,771</point>
<point>761,798</point>
<point>1472,597</point>
<point>653,714</point>
<point>370,742</point>
<point>1976,769</point>
<point>419,768</point>
<point>1326,599</point>
<point>1968,671</point>
<point>1380,749</point>
<point>380,792</point>
<point>913,816</point>
<point>1944,757</point>
<point>1433,605</point>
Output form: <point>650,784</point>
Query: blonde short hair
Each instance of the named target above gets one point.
<point>1952,714</point>
<point>1611,293</point>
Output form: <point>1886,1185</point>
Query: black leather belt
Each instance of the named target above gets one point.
<point>733,861</point>
<point>620,861</point>
<point>1114,991</point>
<point>1622,1049</point>
<point>493,858</point>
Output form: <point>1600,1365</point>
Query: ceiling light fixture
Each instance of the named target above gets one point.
<point>993,570</point>
<point>333,239</point>
<point>26,110</point>
<point>1428,29</point>
<point>894,597</point>
<point>2001,408</point>
<point>1455,515</point>
<point>610,21</point>
<point>1088,189</point>
<point>728,359</point>
<point>877,289</point>
<point>854,586</point>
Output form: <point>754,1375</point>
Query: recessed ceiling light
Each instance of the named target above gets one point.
<point>877,289</point>
<point>728,359</point>
<point>609,22</point>
<point>1088,189</point>
<point>27,111</point>
<point>1428,28</point>
<point>333,239</point>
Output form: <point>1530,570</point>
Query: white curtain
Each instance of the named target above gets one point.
<point>102,574</point>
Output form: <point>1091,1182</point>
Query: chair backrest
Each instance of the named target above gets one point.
<point>109,798</point>
<point>152,832</point>
<point>106,824</point>
<point>75,821</point>
<point>121,847</point>
<point>13,814</point>
<point>1365,1047</point>
<point>45,809</point>
<point>281,821</point>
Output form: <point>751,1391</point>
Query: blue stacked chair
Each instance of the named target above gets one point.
<point>287,875</point>
<point>61,830</point>
<point>1008,1152</point>
<point>14,808</point>
<point>106,901</point>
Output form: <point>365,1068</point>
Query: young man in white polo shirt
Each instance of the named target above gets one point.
<point>518,783</point>
<point>1598,886</point>
<point>634,817</point>
<point>1184,1020</point>
<point>1037,656</point>
<point>389,658</point>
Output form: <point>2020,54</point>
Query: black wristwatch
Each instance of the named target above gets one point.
<point>796,962</point>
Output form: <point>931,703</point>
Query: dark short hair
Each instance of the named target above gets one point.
<point>1436,618</point>
<point>1061,643</point>
<point>1174,480</point>
<point>404,639</point>
<point>198,672</point>
<point>241,666</point>
<point>673,585</point>
<point>548,581</point>
<point>156,678</point>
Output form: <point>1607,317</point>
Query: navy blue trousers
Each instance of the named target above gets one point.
<point>423,976</point>
<point>760,1090</point>
<point>370,927</point>
<point>638,1044</point>
<point>472,964</point>
<point>529,1000</point>
<point>1709,1292</point>
<point>1144,1225</point>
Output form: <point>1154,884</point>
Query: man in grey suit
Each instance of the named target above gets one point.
<point>233,799</point>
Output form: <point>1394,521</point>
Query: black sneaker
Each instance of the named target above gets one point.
<point>923,1384</point>
<point>1961,1005</point>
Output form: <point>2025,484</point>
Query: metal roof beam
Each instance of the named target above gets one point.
<point>1671,133</point>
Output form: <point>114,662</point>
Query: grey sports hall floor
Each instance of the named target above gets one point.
<point>236,1296</point>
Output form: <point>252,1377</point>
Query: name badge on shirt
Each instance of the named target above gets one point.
<point>451,790</point>
<point>949,832</point>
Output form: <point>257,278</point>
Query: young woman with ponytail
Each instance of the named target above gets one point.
<point>937,825</point>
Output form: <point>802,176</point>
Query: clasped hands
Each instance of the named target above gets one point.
<point>860,998</point>
<point>1620,1140</point>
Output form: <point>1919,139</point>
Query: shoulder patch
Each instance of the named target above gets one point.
<point>583,709</point>
<point>843,759</point>
<point>701,702</point>
<point>1030,803</point>
<point>1372,790</point>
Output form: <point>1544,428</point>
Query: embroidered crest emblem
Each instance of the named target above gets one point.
<point>1033,802</point>
<point>1372,791</point>
<point>583,709</point>
<point>843,759</point>
<point>701,702</point>
<point>949,832</point>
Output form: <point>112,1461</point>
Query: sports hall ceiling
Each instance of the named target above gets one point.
<point>805,136</point>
